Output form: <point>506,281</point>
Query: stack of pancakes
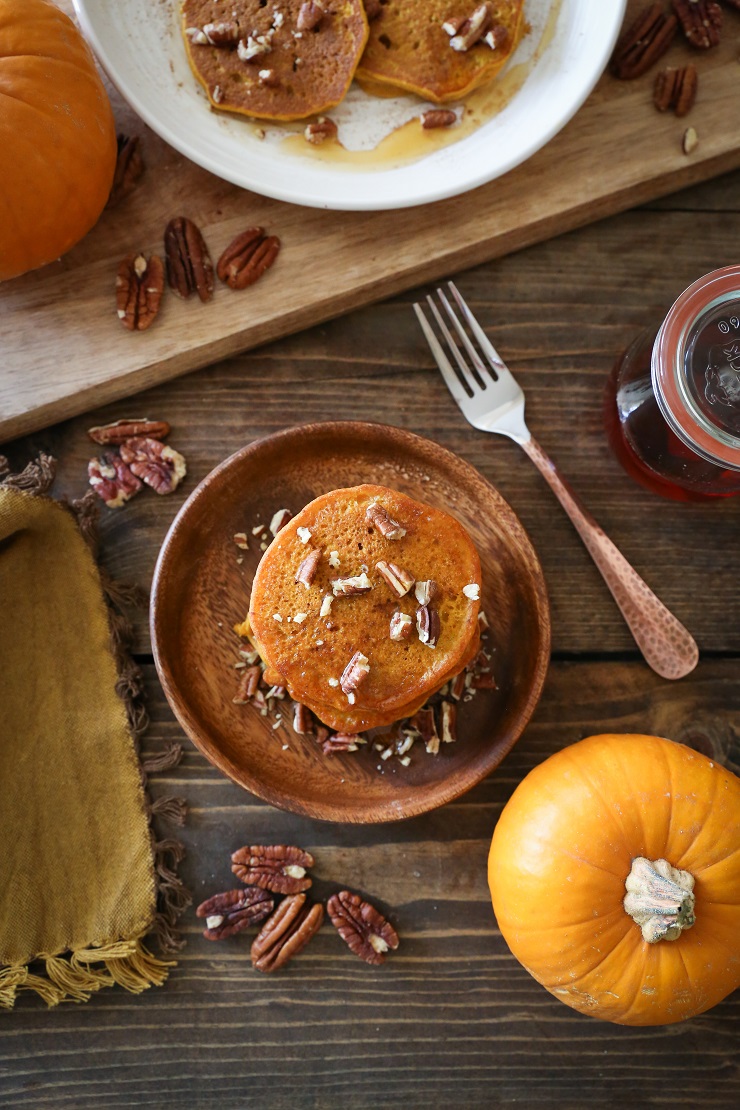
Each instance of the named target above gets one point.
<point>289,59</point>
<point>309,643</point>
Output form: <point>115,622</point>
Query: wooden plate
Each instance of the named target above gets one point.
<point>200,591</point>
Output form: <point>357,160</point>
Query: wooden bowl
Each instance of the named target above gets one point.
<point>200,591</point>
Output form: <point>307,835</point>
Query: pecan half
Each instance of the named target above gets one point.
<point>449,722</point>
<point>701,21</point>
<point>424,723</point>
<point>427,625</point>
<point>248,685</point>
<point>472,29</point>
<point>277,867</point>
<point>424,592</point>
<point>643,43</point>
<point>302,720</point>
<point>401,625</point>
<point>120,430</point>
<point>112,480</point>
<point>361,926</point>
<point>373,8</point>
<point>390,529</point>
<point>139,288</point>
<point>497,38</point>
<point>320,130</point>
<point>189,266</point>
<point>457,687</point>
<point>676,89</point>
<point>399,580</point>
<point>307,570</point>
<point>310,15</point>
<point>354,674</point>
<point>161,467</point>
<point>348,587</point>
<point>129,168</point>
<point>247,258</point>
<point>341,742</point>
<point>223,34</point>
<point>437,117</point>
<point>286,932</point>
<point>229,913</point>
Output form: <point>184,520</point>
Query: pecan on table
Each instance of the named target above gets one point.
<point>189,266</point>
<point>277,867</point>
<point>286,932</point>
<point>139,288</point>
<point>247,258</point>
<point>424,723</point>
<point>112,480</point>
<point>120,430</point>
<point>248,685</point>
<point>161,467</point>
<point>341,742</point>
<point>701,21</point>
<point>229,913</point>
<point>361,926</point>
<point>643,43</point>
<point>129,168</point>
<point>676,89</point>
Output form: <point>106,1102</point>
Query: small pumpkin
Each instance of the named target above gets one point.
<point>615,877</point>
<point>57,136</point>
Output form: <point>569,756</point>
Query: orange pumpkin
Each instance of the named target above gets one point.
<point>615,877</point>
<point>57,136</point>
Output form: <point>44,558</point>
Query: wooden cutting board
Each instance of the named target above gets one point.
<point>62,349</point>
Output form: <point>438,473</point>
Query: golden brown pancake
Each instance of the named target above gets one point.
<point>409,48</point>
<point>307,642</point>
<point>255,60</point>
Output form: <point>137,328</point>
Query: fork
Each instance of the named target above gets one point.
<point>492,401</point>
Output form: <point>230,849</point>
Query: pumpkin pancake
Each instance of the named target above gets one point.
<point>328,586</point>
<point>272,60</point>
<point>413,45</point>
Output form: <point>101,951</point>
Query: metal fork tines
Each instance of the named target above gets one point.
<point>492,401</point>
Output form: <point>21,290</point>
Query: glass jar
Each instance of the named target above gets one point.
<point>672,407</point>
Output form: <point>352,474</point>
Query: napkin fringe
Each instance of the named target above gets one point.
<point>74,976</point>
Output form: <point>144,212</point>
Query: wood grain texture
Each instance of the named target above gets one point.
<point>617,152</point>
<point>451,1019</point>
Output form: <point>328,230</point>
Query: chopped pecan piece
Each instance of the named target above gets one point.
<point>427,625</point>
<point>139,288</point>
<point>310,15</point>
<point>320,130</point>
<point>247,258</point>
<point>112,480</point>
<point>120,430</point>
<point>424,723</point>
<point>278,867</point>
<point>248,685</point>
<point>482,680</point>
<point>457,687</point>
<point>307,570</point>
<point>286,932</point>
<point>424,592</point>
<point>354,674</point>
<point>229,913</point>
<point>268,78</point>
<point>161,467</point>
<point>676,89</point>
<point>361,926</point>
<point>690,140</point>
<point>302,720</point>
<point>223,34</point>
<point>437,117</point>
<point>341,742</point>
<point>348,587</point>
<point>401,624</point>
<point>701,21</point>
<point>279,520</point>
<point>399,580</point>
<point>253,48</point>
<point>472,29</point>
<point>497,38</point>
<point>129,168</point>
<point>449,722</point>
<point>189,266</point>
<point>644,42</point>
<point>390,529</point>
<point>472,590</point>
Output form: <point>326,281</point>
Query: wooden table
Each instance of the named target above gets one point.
<point>452,1019</point>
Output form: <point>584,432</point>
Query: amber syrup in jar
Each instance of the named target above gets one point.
<point>672,405</point>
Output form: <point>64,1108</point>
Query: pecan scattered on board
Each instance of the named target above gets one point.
<point>160,466</point>
<point>361,926</point>
<point>129,168</point>
<point>189,266</point>
<point>112,480</point>
<point>701,21</point>
<point>229,913</point>
<point>676,89</point>
<point>278,867</point>
<point>247,257</point>
<point>139,288</point>
<point>286,932</point>
<point>120,430</point>
<point>644,42</point>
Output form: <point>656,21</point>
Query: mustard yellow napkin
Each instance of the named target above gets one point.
<point>78,867</point>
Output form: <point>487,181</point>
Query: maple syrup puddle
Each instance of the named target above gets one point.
<point>410,141</point>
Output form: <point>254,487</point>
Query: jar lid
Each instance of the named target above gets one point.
<point>696,367</point>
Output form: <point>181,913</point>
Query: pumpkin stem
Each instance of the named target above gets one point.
<point>659,899</point>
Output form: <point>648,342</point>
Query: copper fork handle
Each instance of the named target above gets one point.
<point>668,647</point>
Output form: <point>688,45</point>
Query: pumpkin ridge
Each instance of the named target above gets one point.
<point>606,808</point>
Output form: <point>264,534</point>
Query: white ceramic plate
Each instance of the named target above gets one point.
<point>138,43</point>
